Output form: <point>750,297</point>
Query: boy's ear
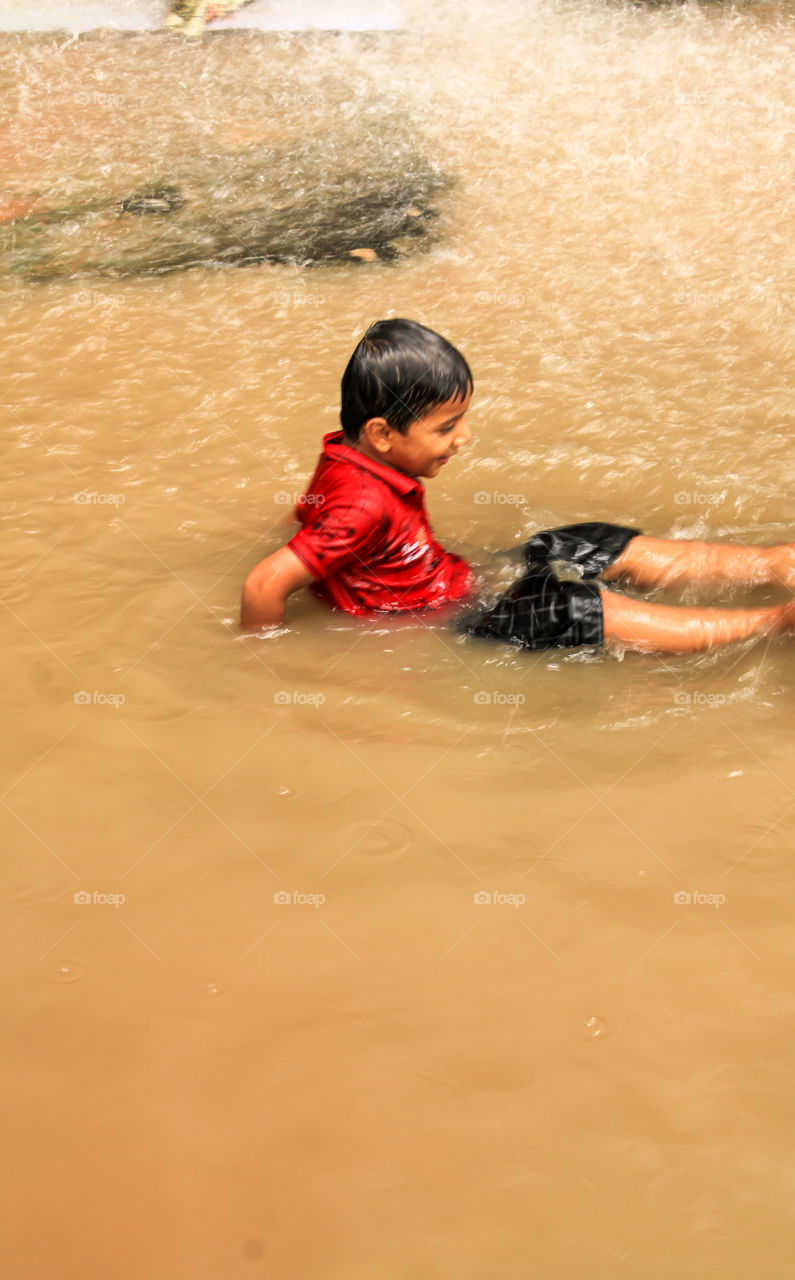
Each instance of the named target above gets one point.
<point>378,434</point>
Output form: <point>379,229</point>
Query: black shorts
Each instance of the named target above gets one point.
<point>541,611</point>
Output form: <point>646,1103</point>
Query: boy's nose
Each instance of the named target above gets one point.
<point>463,435</point>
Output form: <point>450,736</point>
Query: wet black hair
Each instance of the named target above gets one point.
<point>399,371</point>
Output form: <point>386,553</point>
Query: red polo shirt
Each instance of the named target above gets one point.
<point>366,538</point>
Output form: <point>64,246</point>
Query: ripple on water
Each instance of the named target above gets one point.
<point>533,1168</point>
<point>557,1199</point>
<point>760,852</point>
<point>51,885</point>
<point>483,1262</point>
<point>63,971</point>
<point>384,842</point>
<point>428,1075</point>
<point>708,1116</point>
<point>557,884</point>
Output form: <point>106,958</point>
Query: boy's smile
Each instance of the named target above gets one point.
<point>428,444</point>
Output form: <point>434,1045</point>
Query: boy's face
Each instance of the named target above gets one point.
<point>429,442</point>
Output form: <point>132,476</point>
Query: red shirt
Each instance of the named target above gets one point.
<point>365,536</point>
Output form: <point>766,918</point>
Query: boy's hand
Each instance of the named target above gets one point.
<point>267,587</point>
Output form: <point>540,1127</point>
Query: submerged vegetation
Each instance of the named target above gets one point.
<point>327,199</point>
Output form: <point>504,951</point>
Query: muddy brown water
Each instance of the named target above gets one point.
<point>361,950</point>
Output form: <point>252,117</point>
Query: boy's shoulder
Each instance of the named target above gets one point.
<point>353,497</point>
<point>341,466</point>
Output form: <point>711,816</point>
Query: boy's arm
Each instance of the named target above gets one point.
<point>267,587</point>
<point>655,628</point>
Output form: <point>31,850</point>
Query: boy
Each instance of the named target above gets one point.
<point>365,544</point>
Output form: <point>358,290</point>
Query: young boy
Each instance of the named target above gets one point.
<point>365,544</point>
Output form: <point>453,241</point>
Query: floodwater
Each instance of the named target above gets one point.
<point>365,952</point>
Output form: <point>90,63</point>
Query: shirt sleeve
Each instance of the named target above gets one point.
<point>345,529</point>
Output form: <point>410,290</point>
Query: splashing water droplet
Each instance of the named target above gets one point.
<point>595,1029</point>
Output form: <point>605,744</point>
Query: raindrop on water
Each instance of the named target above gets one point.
<point>595,1028</point>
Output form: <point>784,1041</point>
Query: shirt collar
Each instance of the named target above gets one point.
<point>337,451</point>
